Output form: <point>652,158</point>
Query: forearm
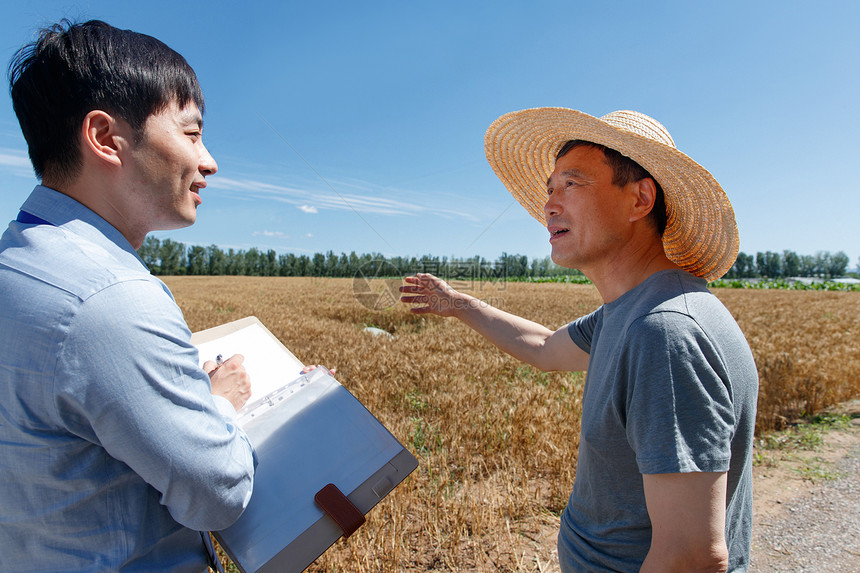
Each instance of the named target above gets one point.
<point>213,487</point>
<point>521,338</point>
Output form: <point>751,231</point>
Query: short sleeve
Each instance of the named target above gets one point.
<point>678,402</point>
<point>582,330</point>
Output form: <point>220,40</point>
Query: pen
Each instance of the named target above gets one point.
<point>219,360</point>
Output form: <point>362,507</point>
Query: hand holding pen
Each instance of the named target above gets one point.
<point>229,379</point>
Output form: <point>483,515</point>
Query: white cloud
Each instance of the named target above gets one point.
<point>274,234</point>
<point>309,236</point>
<point>15,162</point>
<point>309,209</point>
<point>13,158</point>
<point>365,198</point>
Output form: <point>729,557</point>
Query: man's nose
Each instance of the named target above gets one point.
<point>551,207</point>
<point>207,162</point>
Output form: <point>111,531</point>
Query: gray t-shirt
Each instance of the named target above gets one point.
<point>671,387</point>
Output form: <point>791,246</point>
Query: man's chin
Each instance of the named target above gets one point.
<point>189,217</point>
<point>561,260</point>
<point>180,223</point>
<point>557,258</point>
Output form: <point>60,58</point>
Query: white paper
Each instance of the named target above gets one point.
<point>264,358</point>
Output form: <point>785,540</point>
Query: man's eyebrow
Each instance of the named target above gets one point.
<point>568,173</point>
<point>192,117</point>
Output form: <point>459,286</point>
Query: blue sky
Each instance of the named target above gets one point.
<point>358,126</point>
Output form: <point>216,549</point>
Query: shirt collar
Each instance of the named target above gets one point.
<point>72,216</point>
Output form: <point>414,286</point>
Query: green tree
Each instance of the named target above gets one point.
<point>173,259</point>
<point>744,266</point>
<point>286,265</point>
<point>790,264</point>
<point>235,262</point>
<point>836,265</point>
<point>217,260</point>
<point>252,262</point>
<point>150,253</point>
<point>808,266</point>
<point>354,264</point>
<point>768,264</point>
<point>331,264</point>
<point>197,261</point>
<point>303,266</point>
<point>318,265</point>
<point>270,263</point>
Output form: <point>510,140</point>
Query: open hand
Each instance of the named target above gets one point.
<point>434,293</point>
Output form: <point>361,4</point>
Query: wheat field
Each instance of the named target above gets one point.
<point>496,439</point>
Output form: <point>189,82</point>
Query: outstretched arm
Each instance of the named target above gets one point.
<point>521,338</point>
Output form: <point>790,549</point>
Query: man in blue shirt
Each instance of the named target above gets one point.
<point>116,448</point>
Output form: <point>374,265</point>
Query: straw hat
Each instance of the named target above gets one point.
<point>701,234</point>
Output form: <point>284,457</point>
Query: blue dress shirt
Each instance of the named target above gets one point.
<point>112,449</point>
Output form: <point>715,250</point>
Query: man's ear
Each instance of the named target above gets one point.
<point>104,137</point>
<point>645,196</point>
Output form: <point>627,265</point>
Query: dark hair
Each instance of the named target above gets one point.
<point>73,69</point>
<point>624,171</point>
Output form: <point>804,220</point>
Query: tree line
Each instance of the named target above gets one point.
<point>168,257</point>
<point>788,264</point>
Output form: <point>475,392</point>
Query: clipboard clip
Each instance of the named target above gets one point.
<point>340,509</point>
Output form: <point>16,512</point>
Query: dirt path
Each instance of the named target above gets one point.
<point>807,505</point>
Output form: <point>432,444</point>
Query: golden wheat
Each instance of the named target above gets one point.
<point>497,439</point>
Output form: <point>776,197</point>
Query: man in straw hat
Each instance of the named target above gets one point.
<point>663,479</point>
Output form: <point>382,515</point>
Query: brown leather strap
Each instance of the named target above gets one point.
<point>340,509</point>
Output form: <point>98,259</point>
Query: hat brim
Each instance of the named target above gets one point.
<point>701,233</point>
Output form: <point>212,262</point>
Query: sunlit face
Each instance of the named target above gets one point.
<point>586,213</point>
<point>169,166</point>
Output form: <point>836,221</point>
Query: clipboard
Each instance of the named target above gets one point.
<point>323,460</point>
